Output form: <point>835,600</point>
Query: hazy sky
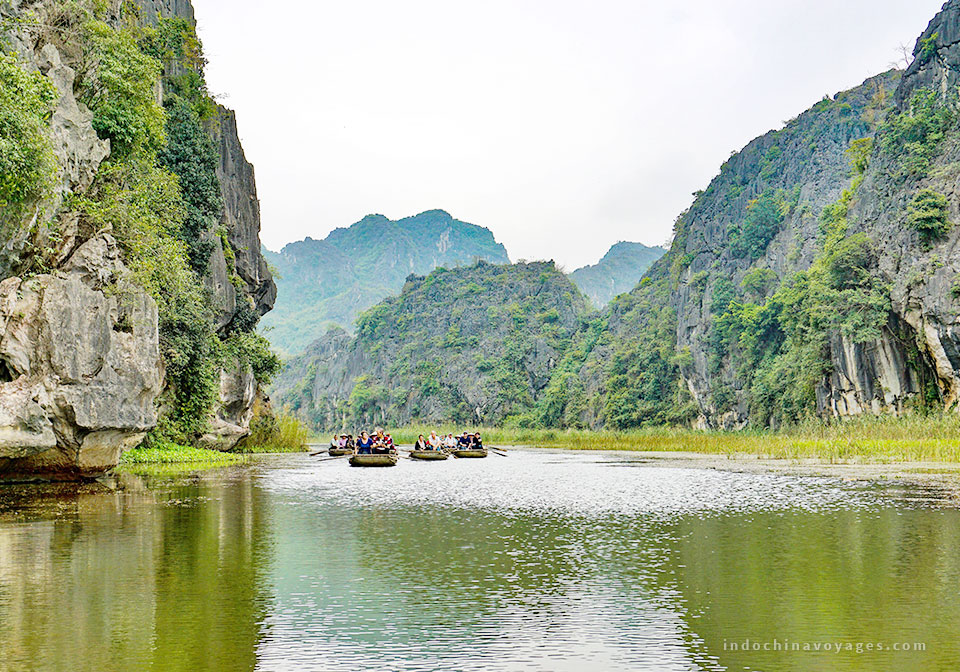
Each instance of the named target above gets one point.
<point>562,125</point>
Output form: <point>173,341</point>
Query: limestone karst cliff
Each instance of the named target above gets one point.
<point>618,271</point>
<point>816,274</point>
<point>129,193</point>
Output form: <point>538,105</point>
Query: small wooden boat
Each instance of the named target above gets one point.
<point>340,452</point>
<point>470,452</point>
<point>376,460</point>
<point>428,454</point>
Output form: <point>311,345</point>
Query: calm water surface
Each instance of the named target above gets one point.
<point>537,561</point>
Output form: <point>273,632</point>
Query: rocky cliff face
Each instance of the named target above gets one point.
<point>330,282</point>
<point>816,274</point>
<point>80,365</point>
<point>256,291</point>
<point>151,9</point>
<point>808,159</point>
<point>241,215</point>
<point>922,270</point>
<point>475,344</point>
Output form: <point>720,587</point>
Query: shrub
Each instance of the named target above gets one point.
<point>758,281</point>
<point>192,156</point>
<point>928,48</point>
<point>118,86</point>
<point>253,351</point>
<point>274,432</point>
<point>927,215</point>
<point>723,293</point>
<point>914,135</point>
<point>27,163</point>
<point>762,222</point>
<point>859,153</point>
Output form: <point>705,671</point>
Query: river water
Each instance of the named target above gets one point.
<point>537,561</point>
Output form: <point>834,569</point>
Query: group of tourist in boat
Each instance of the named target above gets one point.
<point>381,443</point>
<point>465,441</point>
<point>378,443</point>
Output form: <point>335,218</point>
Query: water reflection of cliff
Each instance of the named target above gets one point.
<point>167,578</point>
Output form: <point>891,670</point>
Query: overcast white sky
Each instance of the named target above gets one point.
<point>562,125</point>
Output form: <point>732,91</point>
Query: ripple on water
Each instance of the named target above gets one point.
<point>546,561</point>
<point>568,483</point>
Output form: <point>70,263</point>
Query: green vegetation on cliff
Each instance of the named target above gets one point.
<point>27,164</point>
<point>736,322</point>
<point>637,384</point>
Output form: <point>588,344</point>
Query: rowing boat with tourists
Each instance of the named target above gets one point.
<point>439,447</point>
<point>377,449</point>
<point>374,450</point>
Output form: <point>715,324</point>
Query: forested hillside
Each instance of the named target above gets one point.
<point>130,240</point>
<point>475,344</point>
<point>329,282</point>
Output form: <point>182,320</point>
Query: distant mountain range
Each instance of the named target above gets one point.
<point>329,282</point>
<point>619,271</point>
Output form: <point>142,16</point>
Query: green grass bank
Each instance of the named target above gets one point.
<point>912,438</point>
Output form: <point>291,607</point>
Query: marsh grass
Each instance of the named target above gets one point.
<point>912,438</point>
<point>274,432</point>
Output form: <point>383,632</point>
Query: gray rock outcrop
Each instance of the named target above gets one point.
<point>241,213</point>
<point>80,367</point>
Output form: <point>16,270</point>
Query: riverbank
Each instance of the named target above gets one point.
<point>930,438</point>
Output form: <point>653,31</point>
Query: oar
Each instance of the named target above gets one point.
<point>321,452</point>
<point>335,457</point>
<point>496,451</point>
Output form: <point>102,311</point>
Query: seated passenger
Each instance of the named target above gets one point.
<point>365,444</point>
<point>477,441</point>
<point>388,443</point>
<point>421,444</point>
<point>350,442</point>
<point>435,441</point>
<point>334,442</point>
<point>463,442</point>
<point>450,442</point>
